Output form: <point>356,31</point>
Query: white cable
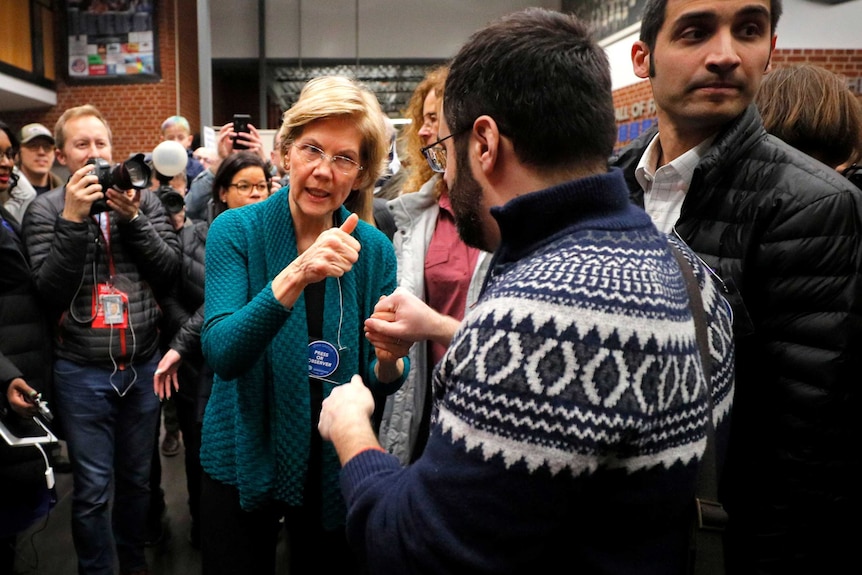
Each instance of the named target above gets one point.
<point>341,313</point>
<point>49,471</point>
<point>131,358</point>
<point>326,380</point>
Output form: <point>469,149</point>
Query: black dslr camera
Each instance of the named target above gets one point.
<point>131,174</point>
<point>172,200</point>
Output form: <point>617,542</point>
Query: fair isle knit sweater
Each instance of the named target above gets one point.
<point>570,407</point>
<point>257,424</point>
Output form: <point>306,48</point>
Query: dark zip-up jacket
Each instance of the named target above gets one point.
<point>25,352</point>
<point>184,314</point>
<point>69,259</point>
<point>784,233</point>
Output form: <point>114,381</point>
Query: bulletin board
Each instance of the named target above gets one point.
<point>111,41</point>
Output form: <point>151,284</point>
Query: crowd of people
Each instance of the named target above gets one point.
<point>537,364</point>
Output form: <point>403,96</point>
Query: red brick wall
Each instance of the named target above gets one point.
<point>635,107</point>
<point>136,111</point>
<point>189,83</point>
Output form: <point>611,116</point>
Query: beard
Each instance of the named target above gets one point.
<point>466,198</point>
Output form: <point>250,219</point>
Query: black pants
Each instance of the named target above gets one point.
<point>191,430</point>
<point>7,554</point>
<point>235,542</point>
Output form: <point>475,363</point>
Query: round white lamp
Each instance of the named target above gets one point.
<point>170,158</point>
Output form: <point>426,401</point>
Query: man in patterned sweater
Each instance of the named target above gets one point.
<point>571,406</point>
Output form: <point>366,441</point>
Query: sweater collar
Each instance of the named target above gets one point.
<point>599,201</point>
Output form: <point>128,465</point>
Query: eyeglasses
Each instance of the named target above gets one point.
<point>39,145</point>
<point>435,154</point>
<point>343,164</point>
<point>244,187</point>
<point>9,153</point>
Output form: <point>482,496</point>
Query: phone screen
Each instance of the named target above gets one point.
<point>240,124</point>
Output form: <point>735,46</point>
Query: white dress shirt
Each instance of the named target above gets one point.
<point>665,188</point>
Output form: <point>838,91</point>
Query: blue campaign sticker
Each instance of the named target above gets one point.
<point>322,359</point>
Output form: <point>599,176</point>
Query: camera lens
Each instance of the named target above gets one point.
<point>132,174</point>
<point>172,201</point>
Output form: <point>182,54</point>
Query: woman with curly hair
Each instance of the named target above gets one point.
<point>433,263</point>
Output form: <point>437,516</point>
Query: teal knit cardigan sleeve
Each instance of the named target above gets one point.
<point>242,314</point>
<point>258,420</point>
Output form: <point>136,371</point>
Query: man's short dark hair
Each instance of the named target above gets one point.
<point>543,79</point>
<point>655,11</point>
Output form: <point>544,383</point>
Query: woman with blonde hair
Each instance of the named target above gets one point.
<point>289,282</point>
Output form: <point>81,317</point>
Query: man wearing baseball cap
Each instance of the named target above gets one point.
<point>31,172</point>
<point>36,157</point>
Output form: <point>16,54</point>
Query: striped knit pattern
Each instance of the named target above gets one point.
<point>570,406</point>
<point>584,356</point>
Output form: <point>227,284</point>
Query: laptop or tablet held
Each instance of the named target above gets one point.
<point>17,430</point>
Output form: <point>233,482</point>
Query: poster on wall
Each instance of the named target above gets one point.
<point>111,41</point>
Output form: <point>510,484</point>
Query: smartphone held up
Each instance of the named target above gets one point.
<point>240,124</point>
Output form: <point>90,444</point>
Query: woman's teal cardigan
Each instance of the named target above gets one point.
<point>257,423</point>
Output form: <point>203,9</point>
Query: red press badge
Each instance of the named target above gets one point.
<point>111,308</point>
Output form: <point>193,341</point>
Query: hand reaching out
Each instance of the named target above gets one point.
<point>402,318</point>
<point>387,347</point>
<point>165,376</point>
<point>345,420</point>
<point>348,405</point>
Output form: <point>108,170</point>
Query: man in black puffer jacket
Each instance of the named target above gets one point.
<point>97,273</point>
<point>784,234</point>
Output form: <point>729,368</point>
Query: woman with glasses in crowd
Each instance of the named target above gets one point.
<point>241,179</point>
<point>11,198</point>
<point>289,282</point>
<point>434,264</point>
<point>8,152</point>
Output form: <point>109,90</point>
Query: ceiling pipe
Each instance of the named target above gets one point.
<point>261,64</point>
<point>356,32</point>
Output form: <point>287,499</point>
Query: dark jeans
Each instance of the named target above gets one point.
<point>236,541</point>
<point>110,441</point>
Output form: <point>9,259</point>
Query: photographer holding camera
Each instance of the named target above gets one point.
<point>96,270</point>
